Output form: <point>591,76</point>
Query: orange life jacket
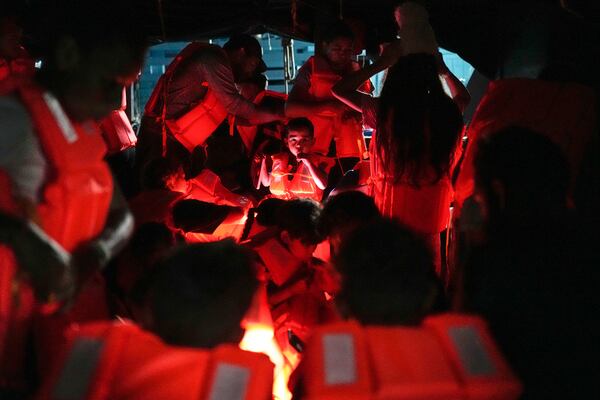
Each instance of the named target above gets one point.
<point>450,356</point>
<point>425,209</point>
<point>193,127</point>
<point>116,129</point>
<point>564,112</point>
<point>73,208</point>
<point>347,131</point>
<point>120,361</point>
<point>248,133</point>
<point>302,184</point>
<point>77,195</point>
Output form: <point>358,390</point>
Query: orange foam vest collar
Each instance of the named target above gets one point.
<point>120,361</point>
<point>450,356</point>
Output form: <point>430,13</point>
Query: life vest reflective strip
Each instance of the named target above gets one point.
<point>199,122</point>
<point>116,129</point>
<point>110,361</point>
<point>449,356</point>
<point>248,133</point>
<point>348,133</point>
<point>75,202</point>
<point>564,112</point>
<point>77,195</point>
<point>302,184</point>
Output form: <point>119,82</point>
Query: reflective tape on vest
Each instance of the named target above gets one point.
<point>340,359</point>
<point>61,118</point>
<point>230,382</point>
<point>76,376</point>
<point>474,358</point>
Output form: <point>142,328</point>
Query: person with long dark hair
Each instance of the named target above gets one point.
<point>413,150</point>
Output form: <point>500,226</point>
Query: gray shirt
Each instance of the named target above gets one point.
<point>209,64</point>
<point>21,156</point>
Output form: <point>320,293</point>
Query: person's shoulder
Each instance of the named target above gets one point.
<point>211,53</point>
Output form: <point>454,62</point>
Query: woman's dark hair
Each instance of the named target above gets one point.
<point>418,125</point>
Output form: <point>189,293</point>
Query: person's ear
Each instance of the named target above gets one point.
<point>67,54</point>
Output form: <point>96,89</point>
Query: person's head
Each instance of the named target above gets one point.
<point>387,275</point>
<point>87,61</point>
<point>199,294</point>
<point>299,136</point>
<point>520,173</point>
<point>11,33</point>
<point>266,212</point>
<point>344,213</point>
<point>163,173</point>
<point>251,87</point>
<point>297,222</point>
<point>418,125</point>
<point>337,45</point>
<point>245,54</point>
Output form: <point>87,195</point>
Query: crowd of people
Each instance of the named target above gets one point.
<point>405,266</point>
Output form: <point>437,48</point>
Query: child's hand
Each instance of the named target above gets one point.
<point>304,157</point>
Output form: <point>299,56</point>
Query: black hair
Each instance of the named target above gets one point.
<point>418,125</point>
<point>531,168</point>
<point>299,218</point>
<point>387,275</point>
<point>201,292</point>
<point>300,124</point>
<point>244,41</point>
<point>337,30</point>
<point>345,210</point>
<point>157,171</point>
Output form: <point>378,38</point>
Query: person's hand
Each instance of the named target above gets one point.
<point>303,157</point>
<point>390,54</point>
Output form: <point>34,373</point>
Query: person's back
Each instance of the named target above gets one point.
<point>535,260</point>
<point>391,346</point>
<point>195,300</point>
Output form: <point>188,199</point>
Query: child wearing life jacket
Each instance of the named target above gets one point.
<point>391,344</point>
<point>194,303</point>
<point>298,285</point>
<point>298,172</point>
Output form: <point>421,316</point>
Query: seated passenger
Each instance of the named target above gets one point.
<point>298,172</point>
<point>536,260</point>
<point>391,347</point>
<point>196,300</point>
<point>298,285</point>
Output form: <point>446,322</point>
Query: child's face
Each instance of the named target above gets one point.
<point>299,142</point>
